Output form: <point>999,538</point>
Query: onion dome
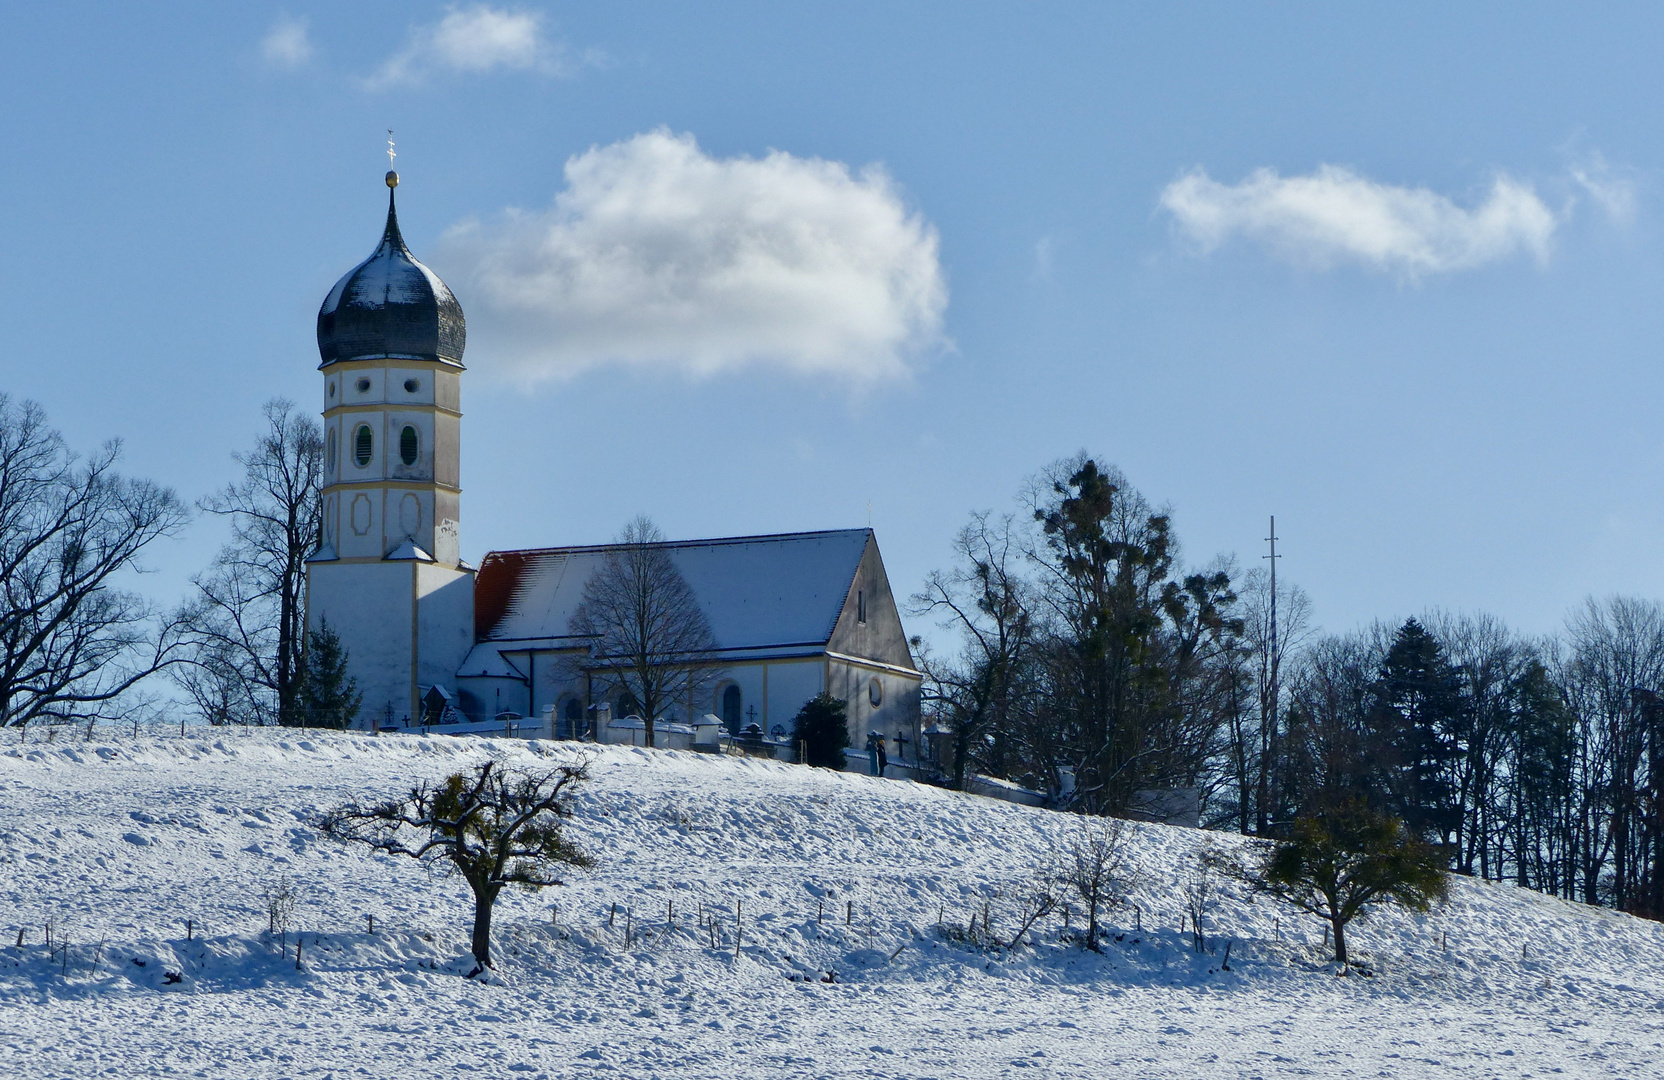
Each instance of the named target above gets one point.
<point>390,305</point>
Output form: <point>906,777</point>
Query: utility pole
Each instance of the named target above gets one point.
<point>1268,715</point>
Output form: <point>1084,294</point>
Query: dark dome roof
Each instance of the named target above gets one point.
<point>391,305</point>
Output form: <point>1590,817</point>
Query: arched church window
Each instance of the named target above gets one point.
<point>731,709</point>
<point>409,444</point>
<point>364,444</point>
<point>329,456</point>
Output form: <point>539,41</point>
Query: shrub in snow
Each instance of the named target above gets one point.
<point>822,729</point>
<point>1339,864</point>
<point>1091,869</point>
<point>493,827</point>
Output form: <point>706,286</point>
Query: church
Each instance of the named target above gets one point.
<point>432,640</point>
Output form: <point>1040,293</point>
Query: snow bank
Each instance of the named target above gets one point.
<point>839,881</point>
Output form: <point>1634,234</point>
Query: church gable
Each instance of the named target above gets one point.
<point>869,626</point>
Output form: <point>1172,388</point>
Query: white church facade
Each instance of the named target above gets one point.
<point>793,615</point>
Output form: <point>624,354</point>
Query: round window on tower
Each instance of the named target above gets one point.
<point>412,385</point>
<point>363,386</point>
<point>364,444</point>
<point>409,444</point>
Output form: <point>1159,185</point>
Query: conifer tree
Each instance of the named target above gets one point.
<point>329,697</point>
<point>822,727</point>
<point>1415,722</point>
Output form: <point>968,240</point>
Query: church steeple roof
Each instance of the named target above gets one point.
<point>390,305</point>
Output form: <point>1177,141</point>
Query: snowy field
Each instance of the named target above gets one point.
<point>119,843</point>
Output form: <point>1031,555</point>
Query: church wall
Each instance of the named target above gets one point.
<point>446,444</point>
<point>447,389</point>
<point>368,605</point>
<point>397,421</point>
<point>897,710</point>
<point>790,684</point>
<point>880,636</point>
<point>445,623</point>
<point>361,511</point>
<point>749,678</point>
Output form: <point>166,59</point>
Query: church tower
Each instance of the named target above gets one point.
<point>388,576</point>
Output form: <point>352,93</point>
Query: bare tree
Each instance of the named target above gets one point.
<point>1253,737</point>
<point>248,618</point>
<point>985,600</point>
<point>649,636</point>
<point>71,642</point>
<point>1200,888</point>
<point>1091,868</point>
<point>494,827</point>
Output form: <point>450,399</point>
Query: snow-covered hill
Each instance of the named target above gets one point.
<point>836,877</point>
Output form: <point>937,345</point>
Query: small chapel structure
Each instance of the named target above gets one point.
<point>430,638</point>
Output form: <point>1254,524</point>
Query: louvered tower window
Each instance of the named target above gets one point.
<point>364,444</point>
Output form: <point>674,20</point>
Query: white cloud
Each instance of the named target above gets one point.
<point>287,44</point>
<point>1335,216</point>
<point>476,40</point>
<point>659,255</point>
<point>1612,192</point>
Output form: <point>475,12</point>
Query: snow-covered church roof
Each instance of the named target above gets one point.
<point>757,592</point>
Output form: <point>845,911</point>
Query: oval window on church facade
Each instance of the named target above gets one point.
<point>409,445</point>
<point>364,444</point>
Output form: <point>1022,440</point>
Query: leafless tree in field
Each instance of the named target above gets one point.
<point>650,637</point>
<point>71,641</point>
<point>247,620</point>
<point>492,827</point>
<point>1092,868</point>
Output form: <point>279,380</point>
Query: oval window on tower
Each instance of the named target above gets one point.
<point>329,456</point>
<point>408,445</point>
<point>363,445</point>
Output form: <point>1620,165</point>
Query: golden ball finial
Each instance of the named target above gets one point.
<point>392,179</point>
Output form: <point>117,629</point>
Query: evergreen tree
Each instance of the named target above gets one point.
<point>329,697</point>
<point>1416,716</point>
<point>822,727</point>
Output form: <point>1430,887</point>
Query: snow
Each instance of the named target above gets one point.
<point>118,843</point>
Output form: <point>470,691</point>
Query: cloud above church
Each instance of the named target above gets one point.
<point>659,255</point>
<point>1335,215</point>
<point>287,44</point>
<point>477,40</point>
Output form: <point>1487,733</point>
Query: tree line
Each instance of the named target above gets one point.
<point>79,644</point>
<point>1089,662</point>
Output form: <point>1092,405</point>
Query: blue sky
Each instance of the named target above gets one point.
<point>1390,274</point>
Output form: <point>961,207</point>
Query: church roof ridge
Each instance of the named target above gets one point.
<point>711,541</point>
